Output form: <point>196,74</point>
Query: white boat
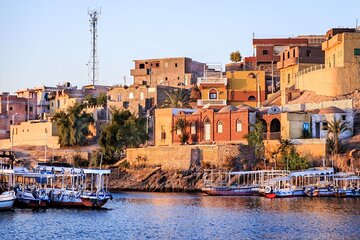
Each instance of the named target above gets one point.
<point>347,186</point>
<point>7,200</point>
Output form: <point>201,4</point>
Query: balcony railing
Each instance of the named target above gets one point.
<point>212,80</point>
<point>211,102</point>
<point>310,69</point>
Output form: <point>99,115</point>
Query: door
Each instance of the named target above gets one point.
<point>207,131</point>
<point>317,130</point>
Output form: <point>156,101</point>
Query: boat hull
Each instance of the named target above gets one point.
<point>229,191</point>
<point>93,202</point>
<point>7,200</point>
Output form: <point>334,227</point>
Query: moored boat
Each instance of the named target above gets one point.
<point>7,200</point>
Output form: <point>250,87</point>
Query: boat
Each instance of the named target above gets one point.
<point>347,186</point>
<point>7,200</point>
<point>278,188</point>
<point>239,183</point>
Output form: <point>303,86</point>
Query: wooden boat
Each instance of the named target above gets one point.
<point>231,191</point>
<point>7,200</point>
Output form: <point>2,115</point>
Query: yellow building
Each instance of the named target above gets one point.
<point>341,72</point>
<point>239,87</point>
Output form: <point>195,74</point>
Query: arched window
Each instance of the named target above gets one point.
<point>219,127</point>
<point>141,96</point>
<point>238,125</point>
<point>193,128</point>
<point>251,98</point>
<point>131,95</point>
<point>213,94</point>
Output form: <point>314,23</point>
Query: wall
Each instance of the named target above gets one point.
<point>216,155</point>
<point>163,124</point>
<point>292,124</point>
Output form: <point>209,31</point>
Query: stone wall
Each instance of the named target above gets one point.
<point>180,157</point>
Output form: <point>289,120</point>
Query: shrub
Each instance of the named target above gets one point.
<point>79,161</point>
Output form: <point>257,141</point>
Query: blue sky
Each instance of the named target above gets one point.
<point>48,42</point>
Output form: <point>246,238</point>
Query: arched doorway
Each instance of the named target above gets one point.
<point>275,128</point>
<point>207,129</point>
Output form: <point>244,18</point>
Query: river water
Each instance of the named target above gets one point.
<point>190,216</point>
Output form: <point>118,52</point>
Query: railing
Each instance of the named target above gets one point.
<point>211,102</point>
<point>274,135</point>
<point>211,80</point>
<point>310,69</point>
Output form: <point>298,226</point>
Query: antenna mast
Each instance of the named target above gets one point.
<point>93,62</point>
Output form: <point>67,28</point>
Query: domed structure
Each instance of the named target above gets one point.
<point>228,109</point>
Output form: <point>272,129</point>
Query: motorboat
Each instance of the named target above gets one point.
<point>7,200</point>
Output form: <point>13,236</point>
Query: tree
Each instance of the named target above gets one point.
<point>176,98</point>
<point>181,124</point>
<point>73,125</point>
<point>90,100</point>
<point>124,130</point>
<point>195,93</point>
<point>290,157</point>
<point>255,139</point>
<point>335,128</point>
<point>235,56</point>
<point>101,100</point>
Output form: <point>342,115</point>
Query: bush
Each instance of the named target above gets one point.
<point>141,161</point>
<point>95,159</point>
<point>79,161</point>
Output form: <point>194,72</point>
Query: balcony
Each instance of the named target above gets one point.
<point>138,72</point>
<point>211,81</point>
<point>211,102</point>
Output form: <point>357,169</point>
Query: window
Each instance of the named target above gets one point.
<point>157,64</point>
<point>343,117</point>
<point>288,53</point>
<point>325,126</point>
<point>126,105</point>
<point>265,52</point>
<point>193,128</point>
<point>251,98</point>
<point>176,65</point>
<point>141,96</point>
<point>219,127</point>
<point>213,94</point>
<point>131,95</point>
<point>308,53</point>
<point>238,125</point>
<point>357,51</point>
<point>288,78</point>
<point>10,108</point>
<point>166,78</point>
<point>11,122</point>
<point>142,66</point>
<point>30,109</point>
<point>119,98</point>
<point>163,133</point>
<point>178,78</point>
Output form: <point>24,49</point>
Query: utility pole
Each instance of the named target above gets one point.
<point>45,144</point>
<point>93,63</point>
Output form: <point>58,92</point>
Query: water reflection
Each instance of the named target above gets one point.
<point>191,216</point>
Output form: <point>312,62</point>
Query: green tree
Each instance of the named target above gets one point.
<point>335,128</point>
<point>176,98</point>
<point>235,56</point>
<point>255,139</point>
<point>90,100</point>
<point>124,131</point>
<point>101,100</point>
<point>181,125</point>
<point>73,125</point>
<point>290,157</point>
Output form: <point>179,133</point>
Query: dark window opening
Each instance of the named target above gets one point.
<point>357,51</point>
<point>251,98</point>
<point>343,117</point>
<point>142,66</point>
<point>126,105</point>
<point>288,54</point>
<point>325,126</point>
<point>178,78</point>
<point>166,78</point>
<point>10,108</point>
<point>11,122</point>
<point>176,65</point>
<point>308,53</point>
<point>30,109</point>
<point>265,52</point>
<point>157,64</point>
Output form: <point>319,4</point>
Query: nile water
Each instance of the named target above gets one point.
<point>190,216</point>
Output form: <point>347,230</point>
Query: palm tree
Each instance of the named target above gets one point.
<point>176,98</point>
<point>255,139</point>
<point>335,128</point>
<point>182,124</point>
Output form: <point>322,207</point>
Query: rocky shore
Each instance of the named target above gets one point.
<point>155,180</point>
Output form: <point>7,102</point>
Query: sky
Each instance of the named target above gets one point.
<point>48,42</point>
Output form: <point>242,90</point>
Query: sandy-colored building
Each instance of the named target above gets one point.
<point>178,71</point>
<point>291,62</point>
<point>341,72</point>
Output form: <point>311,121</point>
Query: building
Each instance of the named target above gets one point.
<point>180,71</point>
<point>341,72</point>
<point>13,110</point>
<point>137,99</point>
<point>238,87</point>
<point>291,62</point>
<point>229,124</point>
